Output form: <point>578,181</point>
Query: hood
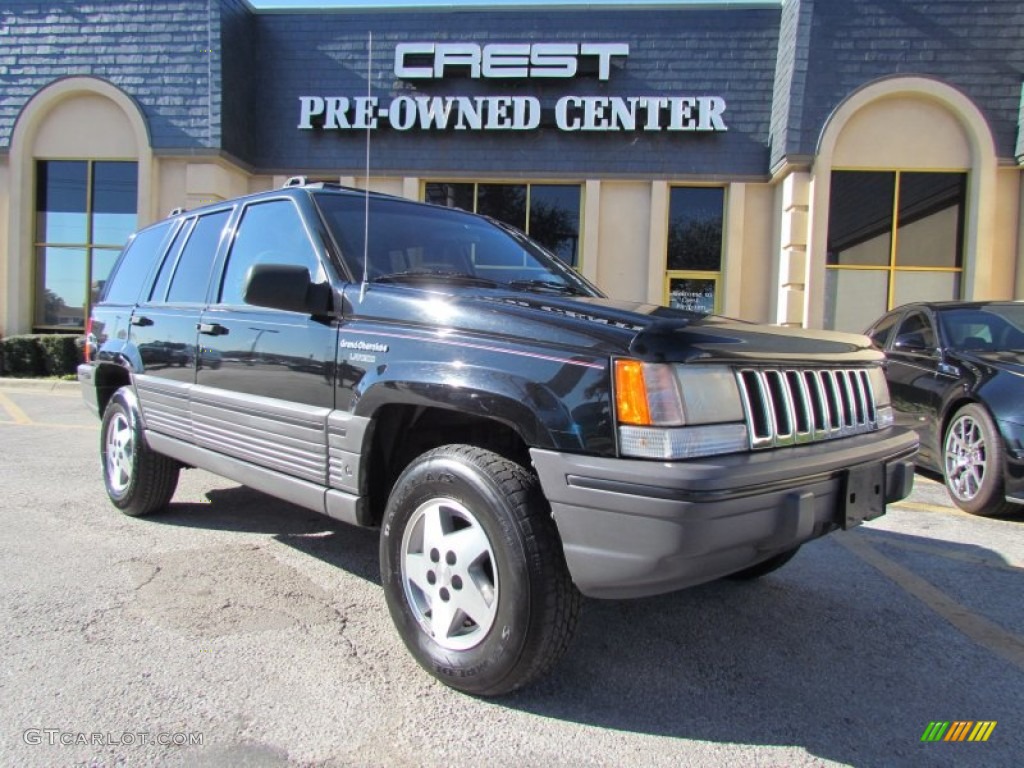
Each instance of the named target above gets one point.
<point>602,326</point>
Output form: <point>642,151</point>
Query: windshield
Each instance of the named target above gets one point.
<point>411,241</point>
<point>991,328</point>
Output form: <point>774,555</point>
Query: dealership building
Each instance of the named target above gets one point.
<point>807,162</point>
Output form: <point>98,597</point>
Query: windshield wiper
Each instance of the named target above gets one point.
<point>427,275</point>
<point>543,285</point>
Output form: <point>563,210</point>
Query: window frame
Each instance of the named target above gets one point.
<point>176,252</point>
<point>529,184</point>
<point>235,227</point>
<point>929,325</point>
<point>892,269</point>
<point>87,246</point>
<point>718,276</point>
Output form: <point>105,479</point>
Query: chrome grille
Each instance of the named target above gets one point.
<point>790,406</point>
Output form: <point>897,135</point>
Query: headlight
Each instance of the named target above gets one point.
<point>884,416</point>
<point>670,411</point>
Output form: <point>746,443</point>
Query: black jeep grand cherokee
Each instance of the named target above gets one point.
<point>517,437</point>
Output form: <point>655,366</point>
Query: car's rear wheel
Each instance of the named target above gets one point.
<point>138,481</point>
<point>973,463</point>
<point>473,571</point>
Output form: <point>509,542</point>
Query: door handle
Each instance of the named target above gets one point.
<point>141,320</point>
<point>212,329</point>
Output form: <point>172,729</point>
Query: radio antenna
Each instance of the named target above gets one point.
<point>366,178</point>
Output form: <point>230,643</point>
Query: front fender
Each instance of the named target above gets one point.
<point>543,416</point>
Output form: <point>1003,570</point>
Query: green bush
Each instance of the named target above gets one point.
<point>61,353</point>
<point>50,354</point>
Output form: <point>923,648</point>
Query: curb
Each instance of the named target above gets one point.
<point>40,385</point>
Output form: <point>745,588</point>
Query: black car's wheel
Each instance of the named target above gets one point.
<point>973,463</point>
<point>765,567</point>
<point>473,571</point>
<point>138,480</point>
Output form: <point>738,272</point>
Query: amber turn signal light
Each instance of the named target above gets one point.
<point>631,393</point>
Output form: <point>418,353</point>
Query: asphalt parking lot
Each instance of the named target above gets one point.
<point>237,630</point>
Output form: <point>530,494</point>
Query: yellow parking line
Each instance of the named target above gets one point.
<point>17,415</point>
<point>988,634</point>
<point>920,506</point>
<point>47,425</point>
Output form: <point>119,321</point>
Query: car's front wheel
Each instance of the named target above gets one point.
<point>973,463</point>
<point>138,481</point>
<point>473,571</point>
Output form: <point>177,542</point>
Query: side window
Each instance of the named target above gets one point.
<point>917,329</point>
<point>880,333</point>
<point>192,273</point>
<point>270,233</point>
<point>163,276</point>
<point>135,264</point>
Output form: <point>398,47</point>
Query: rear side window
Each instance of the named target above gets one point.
<point>879,335</point>
<point>136,264</point>
<point>192,273</point>
<point>163,277</point>
<point>270,233</point>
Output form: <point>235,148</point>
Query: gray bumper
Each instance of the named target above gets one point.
<point>632,528</point>
<point>86,380</point>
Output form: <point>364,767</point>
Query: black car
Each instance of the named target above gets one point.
<point>517,438</point>
<point>956,375</point>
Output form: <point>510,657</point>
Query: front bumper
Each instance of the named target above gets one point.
<point>634,528</point>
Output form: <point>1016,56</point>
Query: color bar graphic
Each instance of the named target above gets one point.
<point>958,730</point>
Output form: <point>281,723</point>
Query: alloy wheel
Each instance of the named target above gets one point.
<point>449,574</point>
<point>120,453</point>
<point>966,457</point>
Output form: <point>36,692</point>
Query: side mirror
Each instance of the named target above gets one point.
<point>287,287</point>
<point>912,342</point>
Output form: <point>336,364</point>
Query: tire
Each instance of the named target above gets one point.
<point>473,571</point>
<point>138,481</point>
<point>973,464</point>
<point>765,567</point>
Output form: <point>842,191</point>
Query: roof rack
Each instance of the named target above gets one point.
<point>296,181</point>
<point>176,211</point>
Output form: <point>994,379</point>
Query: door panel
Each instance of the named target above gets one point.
<point>265,377</point>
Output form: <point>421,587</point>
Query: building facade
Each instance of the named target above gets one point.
<point>812,163</point>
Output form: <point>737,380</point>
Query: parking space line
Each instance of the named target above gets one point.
<point>11,408</point>
<point>920,506</point>
<point>988,634</point>
<point>46,425</point>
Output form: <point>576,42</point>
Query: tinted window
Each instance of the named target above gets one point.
<point>548,213</point>
<point>62,201</point>
<point>695,228</point>
<point>555,219</point>
<point>999,327</point>
<point>135,265</point>
<point>407,238</point>
<point>880,333</point>
<point>918,329</point>
<point>270,233</point>
<point>114,195</point>
<point>192,273</point>
<point>167,267</point>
